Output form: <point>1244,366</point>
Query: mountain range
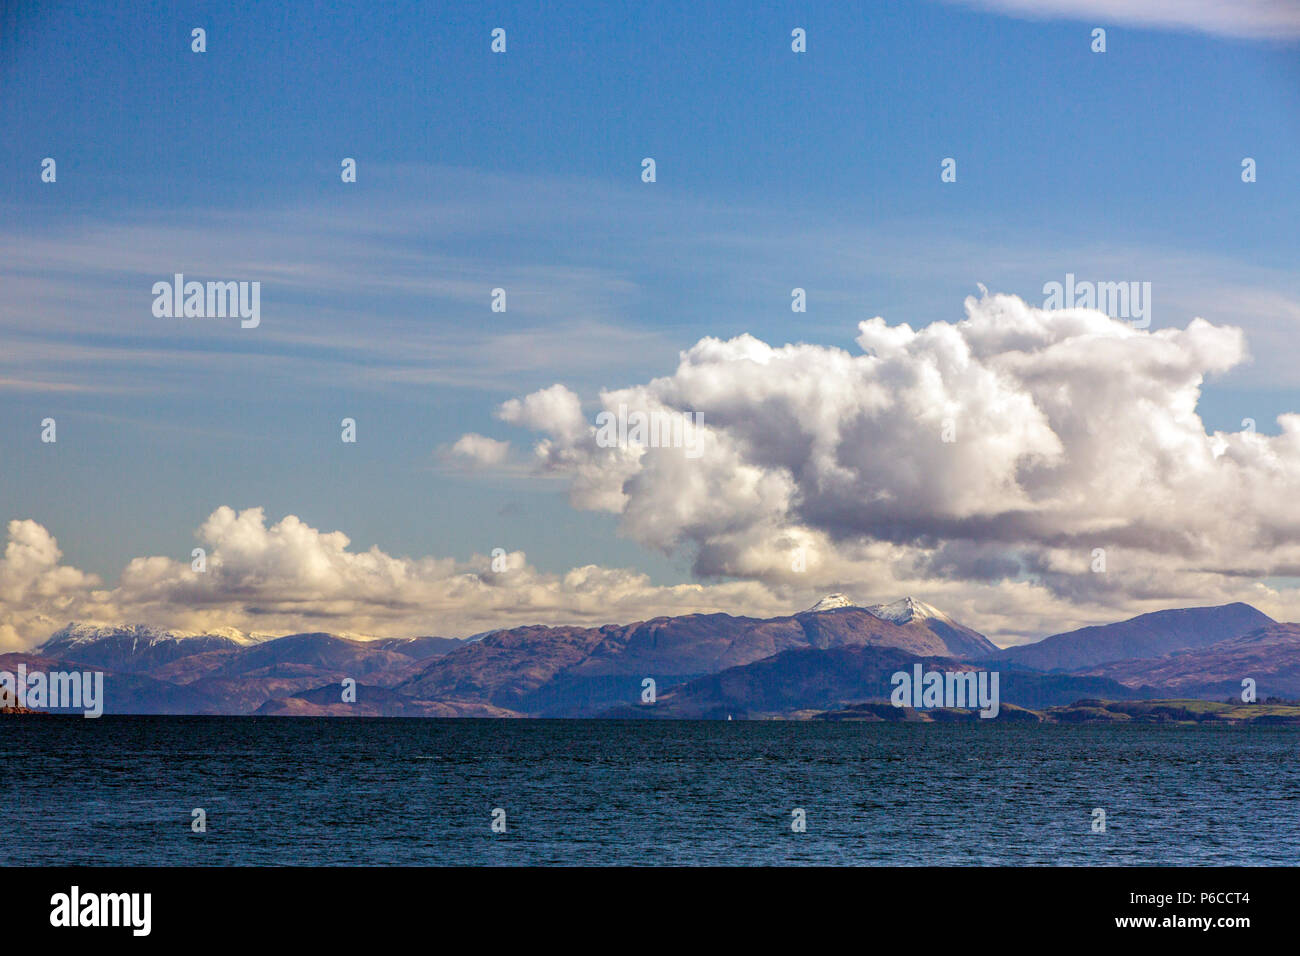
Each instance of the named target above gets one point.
<point>1148,635</point>
<point>833,655</point>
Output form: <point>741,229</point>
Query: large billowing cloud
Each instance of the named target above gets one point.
<point>994,456</point>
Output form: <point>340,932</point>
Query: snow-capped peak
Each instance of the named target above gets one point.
<point>830,602</point>
<point>236,635</point>
<point>908,609</point>
<point>76,634</point>
<point>147,634</point>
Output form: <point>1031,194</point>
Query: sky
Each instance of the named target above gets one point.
<point>522,170</point>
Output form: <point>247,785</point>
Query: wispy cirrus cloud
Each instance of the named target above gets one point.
<point>396,294</point>
<point>1251,19</point>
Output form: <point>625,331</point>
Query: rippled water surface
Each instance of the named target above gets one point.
<point>120,790</point>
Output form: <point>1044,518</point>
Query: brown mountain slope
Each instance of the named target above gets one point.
<point>808,679</point>
<point>554,670</point>
<point>1270,656</point>
<point>1146,636</point>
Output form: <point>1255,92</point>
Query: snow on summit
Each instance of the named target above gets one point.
<point>899,612</point>
<point>81,634</point>
<point>908,609</point>
<point>830,602</point>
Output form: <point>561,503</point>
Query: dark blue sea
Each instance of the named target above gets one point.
<point>121,790</point>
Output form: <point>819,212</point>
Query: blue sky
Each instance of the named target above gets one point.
<point>476,170</point>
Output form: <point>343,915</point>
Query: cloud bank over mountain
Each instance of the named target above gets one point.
<point>287,576</point>
<point>983,465</point>
<point>1006,448</point>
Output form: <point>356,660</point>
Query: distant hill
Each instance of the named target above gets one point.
<point>372,701</point>
<point>418,648</point>
<point>1087,711</point>
<point>813,680</point>
<point>1146,636</point>
<point>238,676</point>
<point>1270,656</point>
<point>561,671</point>
<point>124,693</point>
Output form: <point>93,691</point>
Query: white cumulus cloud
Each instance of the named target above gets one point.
<point>478,450</point>
<point>1001,450</point>
<point>287,576</point>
